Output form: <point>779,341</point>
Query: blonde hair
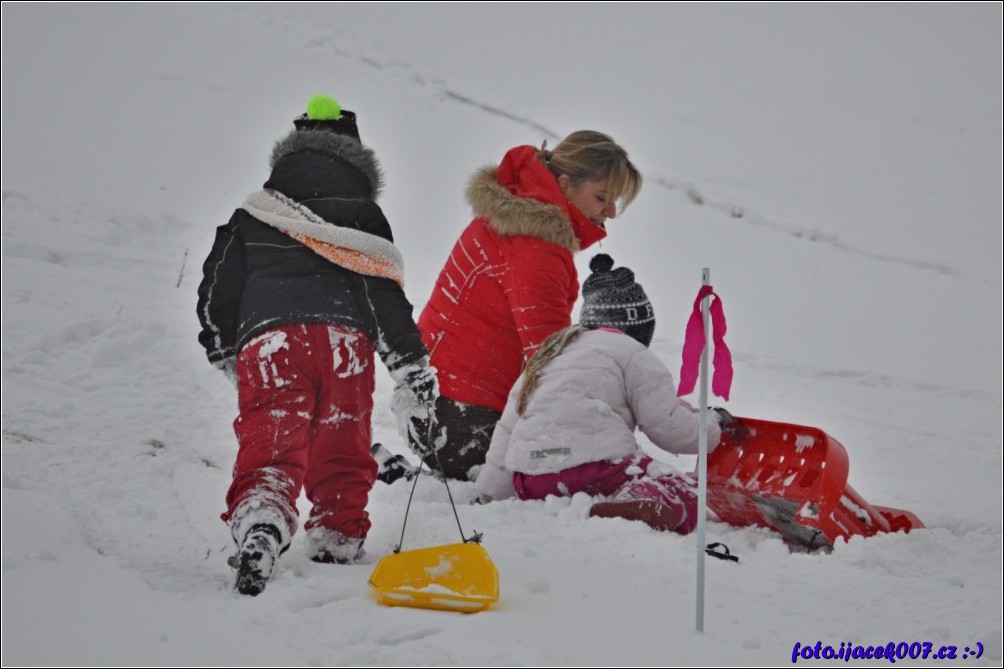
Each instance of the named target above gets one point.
<point>548,350</point>
<point>587,155</point>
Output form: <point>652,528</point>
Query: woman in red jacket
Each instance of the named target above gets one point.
<point>510,282</point>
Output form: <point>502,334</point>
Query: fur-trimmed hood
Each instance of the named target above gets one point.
<point>513,215</point>
<point>343,147</point>
<point>522,197</point>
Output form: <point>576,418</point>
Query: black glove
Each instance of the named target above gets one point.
<point>229,368</point>
<point>423,384</point>
<point>730,425</point>
<point>414,406</point>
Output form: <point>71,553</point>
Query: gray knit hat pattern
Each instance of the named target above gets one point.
<point>611,298</point>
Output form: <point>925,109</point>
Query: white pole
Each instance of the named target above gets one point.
<point>702,457</point>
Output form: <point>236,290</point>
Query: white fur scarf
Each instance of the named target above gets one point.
<point>352,249</point>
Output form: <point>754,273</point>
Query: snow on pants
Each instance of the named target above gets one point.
<point>624,479</point>
<point>305,394</point>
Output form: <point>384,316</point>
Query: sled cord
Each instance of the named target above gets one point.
<point>475,538</point>
<point>404,524</point>
<point>723,554</point>
<point>449,494</point>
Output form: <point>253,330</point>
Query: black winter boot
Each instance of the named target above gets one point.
<point>391,467</point>
<point>256,561</point>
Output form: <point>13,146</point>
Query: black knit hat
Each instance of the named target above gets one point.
<point>324,113</point>
<point>613,299</point>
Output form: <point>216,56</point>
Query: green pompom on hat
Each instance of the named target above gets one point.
<point>324,113</point>
<point>323,108</point>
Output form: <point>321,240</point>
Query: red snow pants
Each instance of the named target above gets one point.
<point>305,395</point>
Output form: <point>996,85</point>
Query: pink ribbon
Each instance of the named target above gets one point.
<point>693,345</point>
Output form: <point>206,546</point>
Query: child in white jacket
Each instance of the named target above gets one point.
<point>569,423</point>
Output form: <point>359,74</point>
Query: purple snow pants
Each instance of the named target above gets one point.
<point>625,479</point>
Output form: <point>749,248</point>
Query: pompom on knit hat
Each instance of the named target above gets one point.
<point>611,298</point>
<point>324,113</point>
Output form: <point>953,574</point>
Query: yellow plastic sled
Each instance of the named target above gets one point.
<point>454,577</point>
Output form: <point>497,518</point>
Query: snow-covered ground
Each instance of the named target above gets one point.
<point>837,166</point>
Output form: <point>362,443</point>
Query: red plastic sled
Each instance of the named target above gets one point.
<point>793,479</point>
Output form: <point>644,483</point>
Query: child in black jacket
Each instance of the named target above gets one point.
<point>302,286</point>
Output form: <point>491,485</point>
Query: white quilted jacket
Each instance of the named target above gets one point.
<point>587,405</point>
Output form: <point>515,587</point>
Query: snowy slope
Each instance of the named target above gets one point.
<point>837,166</point>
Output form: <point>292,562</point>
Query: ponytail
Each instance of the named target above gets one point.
<point>549,349</point>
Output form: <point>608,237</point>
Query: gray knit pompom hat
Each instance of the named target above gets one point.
<point>611,298</point>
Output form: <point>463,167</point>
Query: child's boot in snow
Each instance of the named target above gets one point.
<point>256,561</point>
<point>666,504</point>
<point>654,514</point>
<point>333,547</point>
<point>391,467</point>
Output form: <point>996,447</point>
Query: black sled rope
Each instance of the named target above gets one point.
<point>475,538</point>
